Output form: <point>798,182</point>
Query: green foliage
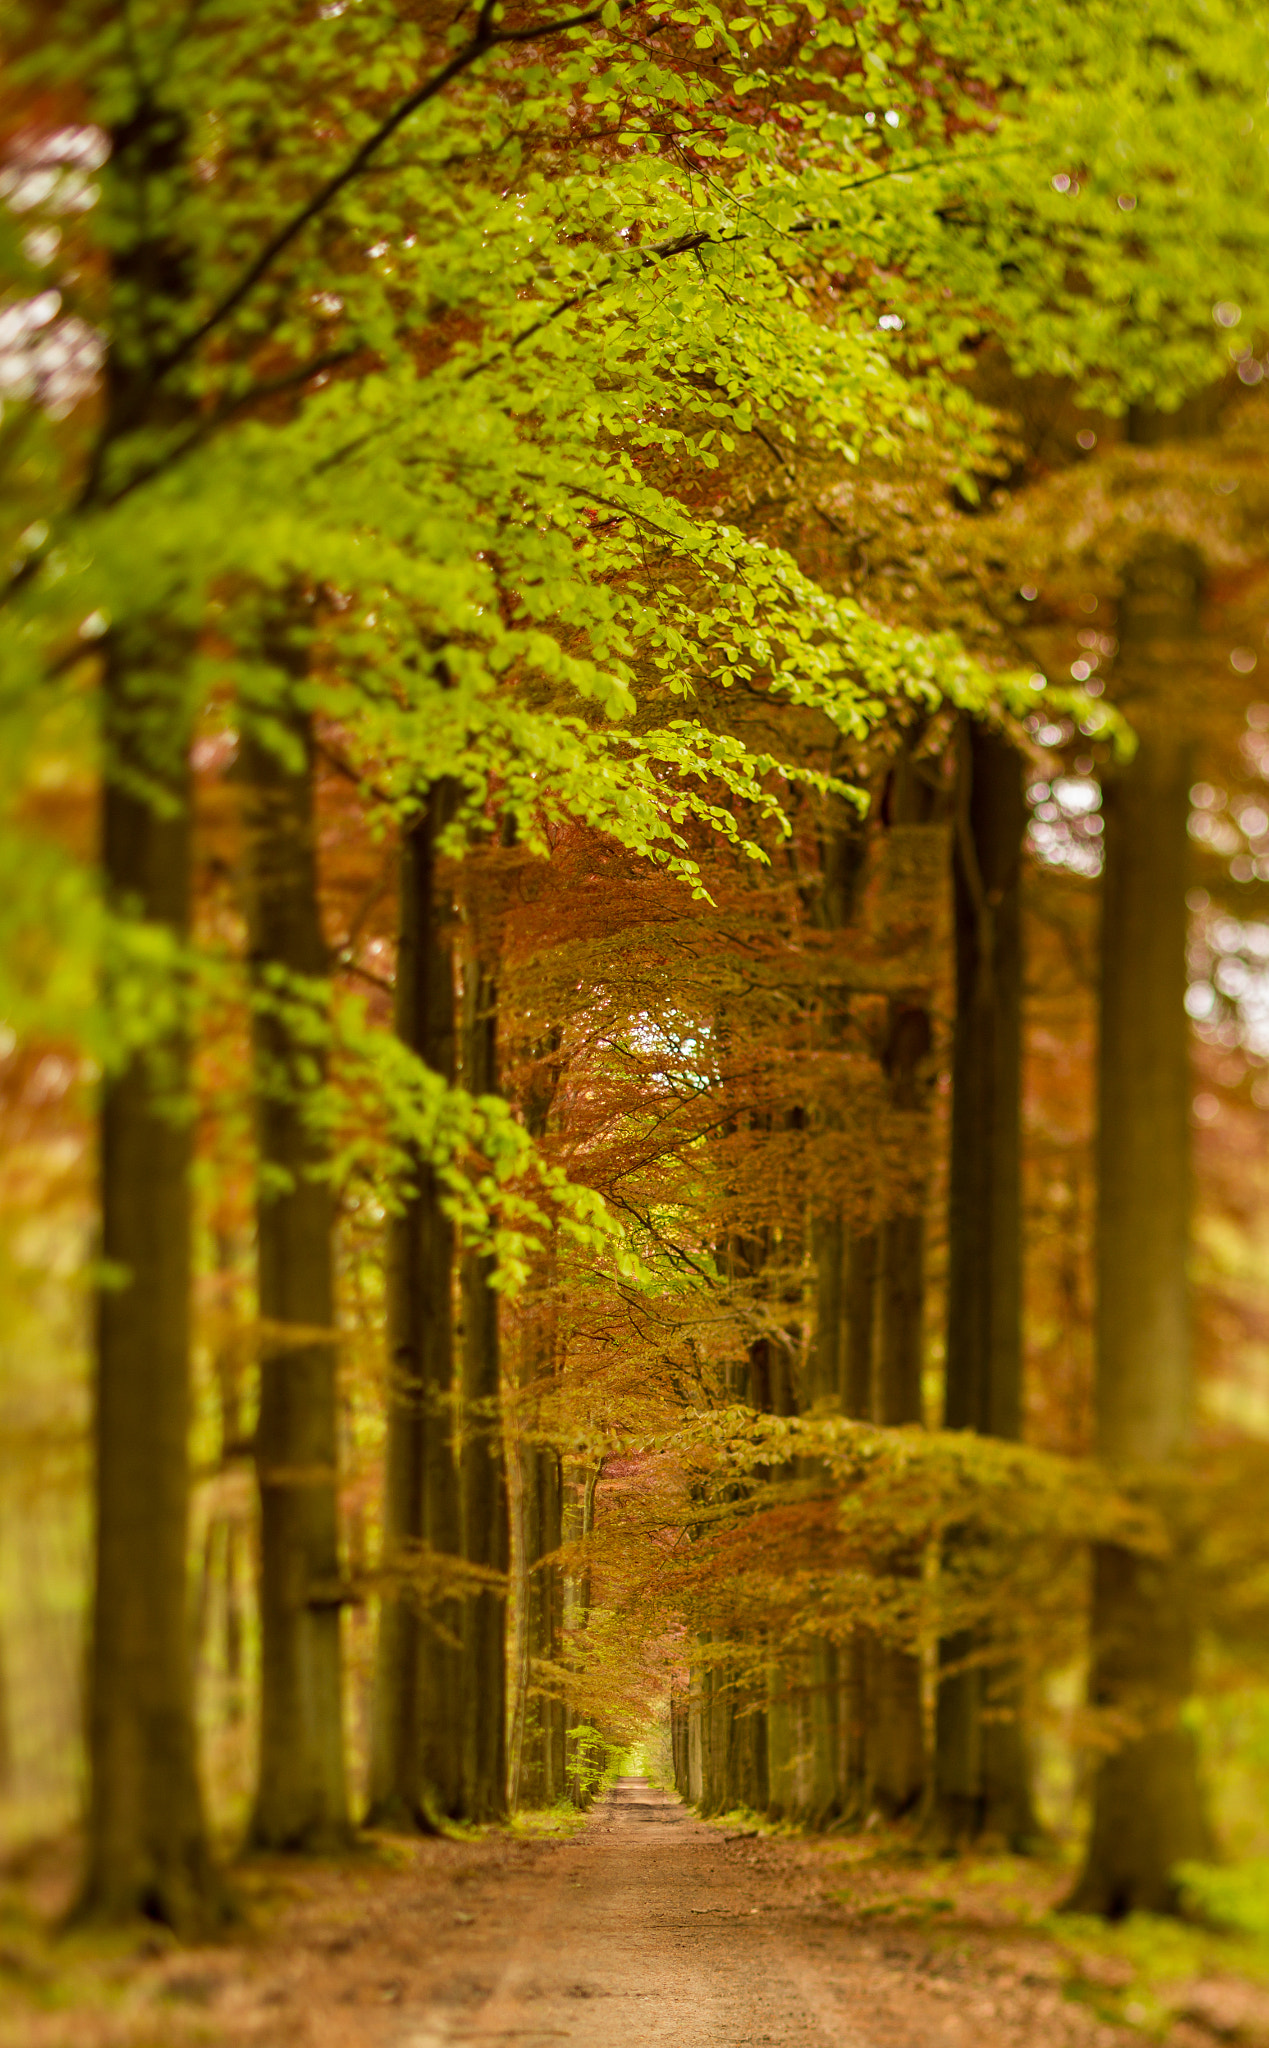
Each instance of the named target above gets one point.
<point>593,1760</point>
<point>456,324</point>
<point>1234,1898</point>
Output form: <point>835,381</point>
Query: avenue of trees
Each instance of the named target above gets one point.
<point>626,665</point>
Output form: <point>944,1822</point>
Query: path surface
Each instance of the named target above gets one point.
<point>653,1927</point>
<point>646,1926</point>
<point>651,1933</point>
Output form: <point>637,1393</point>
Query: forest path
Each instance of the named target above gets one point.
<point>651,1933</point>
<point>651,1926</point>
<point>644,1926</point>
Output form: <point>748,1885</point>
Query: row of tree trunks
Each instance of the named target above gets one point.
<point>844,1724</point>
<point>440,1728</point>
<point>439,1745</point>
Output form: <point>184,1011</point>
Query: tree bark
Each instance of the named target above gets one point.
<point>581,1477</point>
<point>415,1736</point>
<point>896,1740</point>
<point>486,1538</point>
<point>146,1840</point>
<point>981,1780</point>
<point>301,1795</point>
<point>833,1783</point>
<point>546,1623</point>
<point>1147,1812</point>
<point>536,1717</point>
<point>859,1293</point>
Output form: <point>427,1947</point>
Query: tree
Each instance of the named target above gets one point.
<point>415,1769</point>
<point>1147,1814</point>
<point>482,1469</point>
<point>896,1751</point>
<point>301,1798</point>
<point>981,1776</point>
<point>147,1846</point>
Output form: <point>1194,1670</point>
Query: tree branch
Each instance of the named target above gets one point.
<point>481,43</point>
<point>255,394</point>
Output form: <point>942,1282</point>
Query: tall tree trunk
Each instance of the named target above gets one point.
<point>981,1780</point>
<point>770,1390</point>
<point>896,1741</point>
<point>546,1625</point>
<point>415,1740</point>
<point>824,1793</point>
<point>535,1711</point>
<point>1147,1813</point>
<point>536,1775</point>
<point>228,1563</point>
<point>301,1795</point>
<point>831,1778</point>
<point>581,1480</point>
<point>486,1540</point>
<point>147,1847</point>
<point>859,1309</point>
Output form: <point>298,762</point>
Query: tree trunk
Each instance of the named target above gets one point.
<point>486,1539</point>
<point>147,1847</point>
<point>580,1481</point>
<point>551,1635</point>
<point>829,1785</point>
<point>1147,1813</point>
<point>859,1295</point>
<point>301,1795</point>
<point>981,1780</point>
<point>415,1737</point>
<point>860,1291</point>
<point>535,1711</point>
<point>537,1775</point>
<point>824,1794</point>
<point>895,1742</point>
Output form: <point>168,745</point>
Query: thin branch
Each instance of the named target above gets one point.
<point>256,394</point>
<point>679,245</point>
<point>367,974</point>
<point>482,42</point>
<point>335,760</point>
<point>692,244</point>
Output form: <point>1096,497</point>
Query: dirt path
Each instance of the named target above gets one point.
<point>647,1926</point>
<point>658,1928</point>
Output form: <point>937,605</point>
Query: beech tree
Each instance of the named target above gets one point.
<point>1147,1814</point>
<point>301,1800</point>
<point>981,1774</point>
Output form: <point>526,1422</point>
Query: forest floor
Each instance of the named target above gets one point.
<point>642,1925</point>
